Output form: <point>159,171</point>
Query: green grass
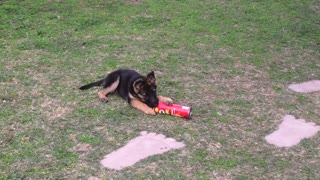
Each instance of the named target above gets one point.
<point>230,60</point>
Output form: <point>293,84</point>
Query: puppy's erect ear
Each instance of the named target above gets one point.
<point>137,85</point>
<point>151,79</point>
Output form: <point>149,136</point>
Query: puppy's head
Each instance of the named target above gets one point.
<point>146,90</point>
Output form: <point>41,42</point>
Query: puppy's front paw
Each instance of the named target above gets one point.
<point>150,112</point>
<point>167,100</point>
<point>104,99</point>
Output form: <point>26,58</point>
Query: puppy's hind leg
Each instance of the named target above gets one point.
<point>110,84</point>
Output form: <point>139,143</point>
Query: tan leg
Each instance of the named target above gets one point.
<point>104,92</point>
<point>142,107</point>
<point>166,100</point>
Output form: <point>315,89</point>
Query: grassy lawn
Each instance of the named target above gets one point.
<point>230,60</point>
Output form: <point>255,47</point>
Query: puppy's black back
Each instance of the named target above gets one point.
<point>127,78</point>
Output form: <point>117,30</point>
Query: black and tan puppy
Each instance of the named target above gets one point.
<point>140,91</point>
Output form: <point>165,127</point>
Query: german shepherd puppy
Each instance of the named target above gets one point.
<point>140,91</point>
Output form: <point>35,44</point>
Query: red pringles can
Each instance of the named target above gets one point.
<point>174,110</point>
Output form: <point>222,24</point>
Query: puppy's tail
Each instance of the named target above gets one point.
<point>97,83</point>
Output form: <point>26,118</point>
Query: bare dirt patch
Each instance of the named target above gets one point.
<point>82,148</point>
<point>53,108</point>
<point>134,1</point>
<point>316,7</point>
